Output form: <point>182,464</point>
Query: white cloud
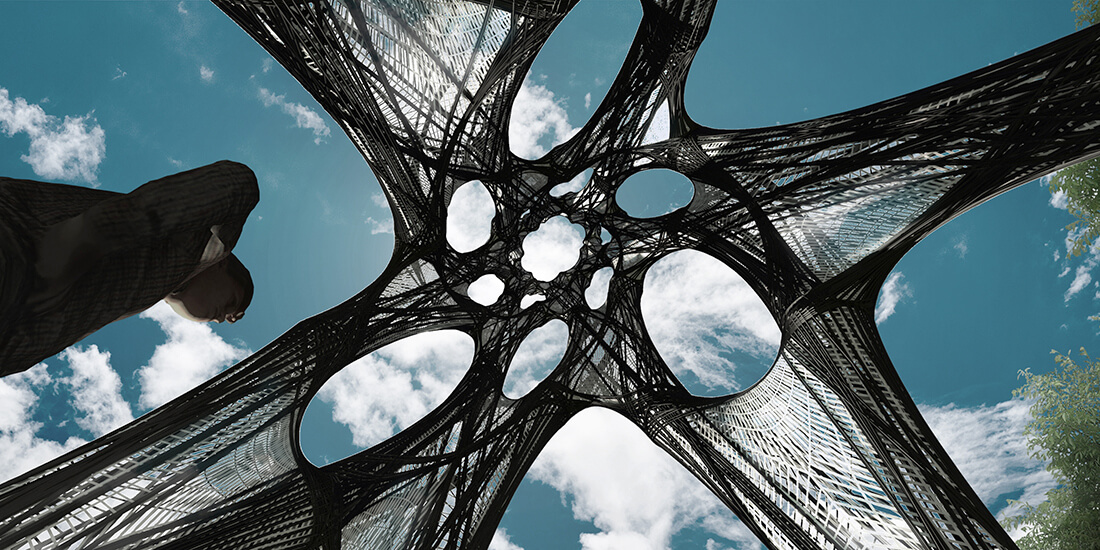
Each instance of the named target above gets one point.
<point>961,246</point>
<point>379,226</point>
<point>1059,200</point>
<point>1080,280</point>
<point>634,492</point>
<point>659,127</point>
<point>893,292</point>
<point>536,357</point>
<point>119,73</point>
<point>470,216</point>
<point>486,289</point>
<point>96,390</point>
<point>397,385</point>
<point>596,293</point>
<point>587,100</point>
<point>192,355</point>
<point>501,542</point>
<point>70,149</point>
<point>988,446</point>
<point>553,248</point>
<point>572,185</point>
<point>538,120</point>
<point>304,117</point>
<point>267,64</point>
<point>206,74</point>
<point>20,447</point>
<point>698,311</point>
<point>181,8</point>
<point>1083,273</point>
<point>384,225</point>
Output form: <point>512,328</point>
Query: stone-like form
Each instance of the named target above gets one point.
<point>827,451</point>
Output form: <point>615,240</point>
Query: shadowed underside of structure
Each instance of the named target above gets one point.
<point>826,451</point>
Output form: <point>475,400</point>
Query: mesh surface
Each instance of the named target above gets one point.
<point>826,451</point>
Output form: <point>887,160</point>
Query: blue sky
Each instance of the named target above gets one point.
<point>115,94</point>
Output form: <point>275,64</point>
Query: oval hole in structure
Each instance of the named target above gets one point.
<point>486,289</point>
<point>652,193</point>
<point>596,293</point>
<point>470,217</point>
<point>554,247</point>
<point>572,186</point>
<point>571,75</point>
<point>382,393</point>
<point>709,326</point>
<point>536,358</point>
<point>659,125</point>
<point>530,299</point>
<point>599,456</point>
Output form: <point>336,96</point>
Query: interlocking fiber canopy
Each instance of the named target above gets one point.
<point>828,450</point>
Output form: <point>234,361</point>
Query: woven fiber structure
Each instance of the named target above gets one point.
<point>826,451</point>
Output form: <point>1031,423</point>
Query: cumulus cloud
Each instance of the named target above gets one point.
<point>639,497</point>
<point>1081,279</point>
<point>572,185</point>
<point>635,493</point>
<point>893,292</point>
<point>596,293</point>
<point>69,149</point>
<point>379,226</point>
<point>96,390</point>
<point>486,289</point>
<point>538,122</point>
<point>395,386</point>
<point>192,355</point>
<point>698,312</point>
<point>206,74</point>
<point>470,216</point>
<point>182,8</point>
<point>988,445</point>
<point>20,446</point>
<point>1082,273</point>
<point>587,100</point>
<point>383,225</point>
<point>1059,200</point>
<point>304,117</point>
<point>553,248</point>
<point>536,357</point>
<point>501,542</point>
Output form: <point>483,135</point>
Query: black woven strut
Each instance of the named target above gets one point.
<point>828,450</point>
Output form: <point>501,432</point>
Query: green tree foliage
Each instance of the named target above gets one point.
<point>1088,12</point>
<point>1065,431</point>
<point>1079,183</point>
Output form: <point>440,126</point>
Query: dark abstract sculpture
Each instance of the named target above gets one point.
<point>826,451</point>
